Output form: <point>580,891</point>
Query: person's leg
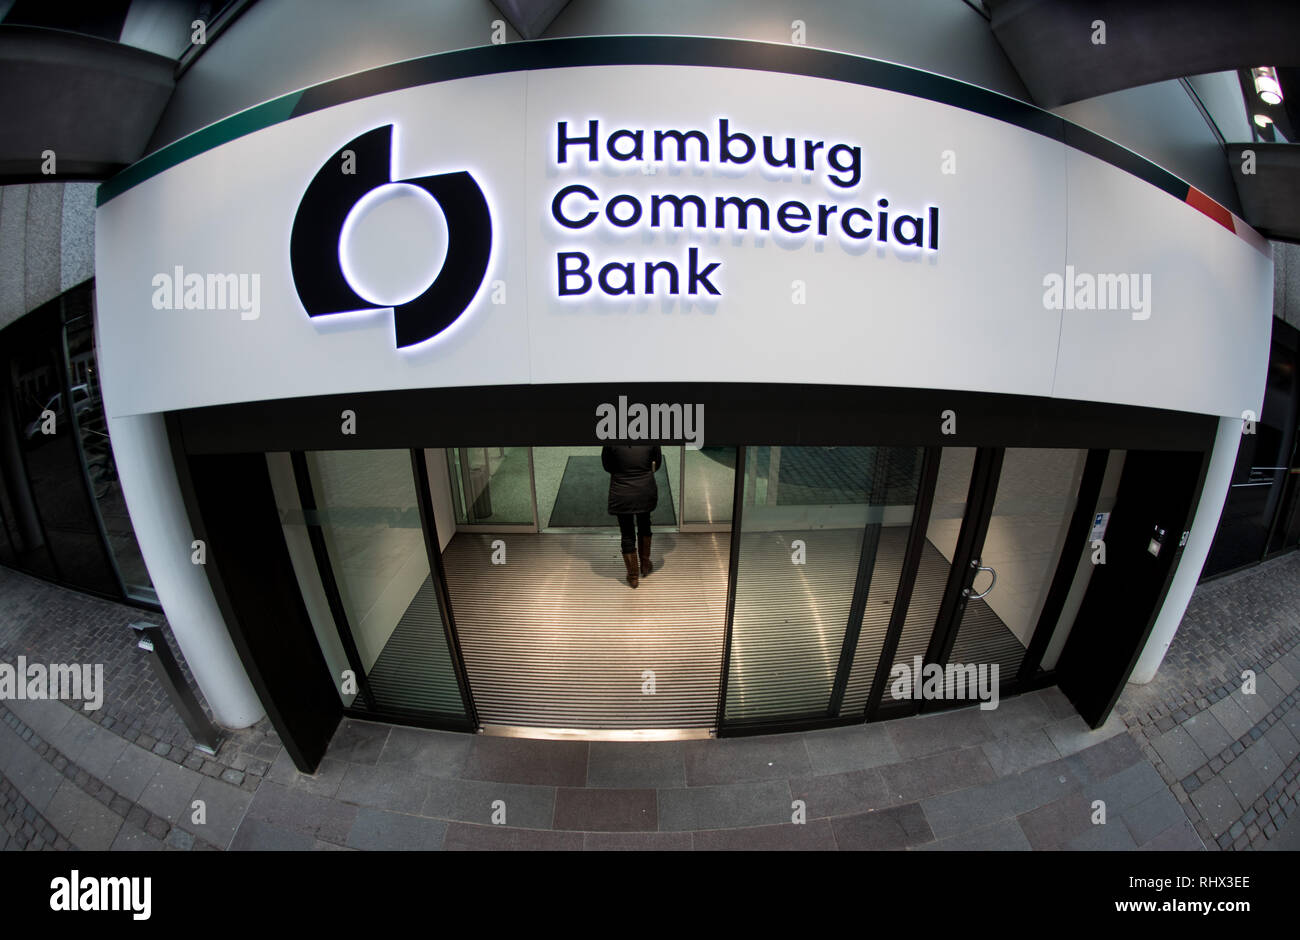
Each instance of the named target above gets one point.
<point>643,545</point>
<point>627,535</point>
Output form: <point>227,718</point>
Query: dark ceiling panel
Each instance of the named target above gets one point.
<point>1270,197</point>
<point>93,102</point>
<point>530,17</point>
<point>1050,42</point>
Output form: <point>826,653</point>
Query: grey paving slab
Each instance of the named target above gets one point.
<point>286,809</point>
<point>1231,716</point>
<point>1216,804</point>
<point>1057,704</point>
<point>378,830</point>
<point>36,780</point>
<point>84,821</point>
<point>857,791</point>
<point>637,841</point>
<point>1244,780</point>
<point>1268,691</point>
<point>1153,816</point>
<point>383,788</point>
<point>1018,716</point>
<point>100,752</point>
<point>636,764</point>
<point>324,782</point>
<point>170,791</point>
<point>814,836</point>
<point>474,801</point>
<point>432,753</point>
<point>134,839</point>
<point>1282,742</point>
<point>982,805</point>
<point>856,747</point>
<point>739,760</point>
<point>945,731</point>
<point>606,809</point>
<point>1011,754</point>
<point>898,827</point>
<point>927,776</point>
<point>261,836</point>
<point>1125,789</point>
<point>1052,825</point>
<point>1286,680</point>
<point>1266,761</point>
<point>224,807</point>
<point>1103,837</point>
<point>1181,837</point>
<point>1180,752</point>
<point>358,742</point>
<point>1255,707</point>
<point>71,739</point>
<point>524,760</point>
<point>1208,733</point>
<point>725,807</point>
<point>1072,734</point>
<point>46,717</point>
<point>467,836</point>
<point>1003,836</point>
<point>1105,759</point>
<point>132,772</point>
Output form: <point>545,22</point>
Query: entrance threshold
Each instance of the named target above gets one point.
<point>598,734</point>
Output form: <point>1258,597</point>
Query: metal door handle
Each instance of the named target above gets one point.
<point>978,568</point>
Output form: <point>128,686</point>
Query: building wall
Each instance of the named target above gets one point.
<point>47,243</point>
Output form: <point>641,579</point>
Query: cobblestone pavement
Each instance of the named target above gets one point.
<point>48,624</point>
<point>1188,762</point>
<point>1231,757</point>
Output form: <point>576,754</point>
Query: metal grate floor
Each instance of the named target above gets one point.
<point>555,638</point>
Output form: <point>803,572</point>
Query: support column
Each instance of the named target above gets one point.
<point>162,528</point>
<point>1217,480</point>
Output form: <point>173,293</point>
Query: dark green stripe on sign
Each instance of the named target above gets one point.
<point>214,135</point>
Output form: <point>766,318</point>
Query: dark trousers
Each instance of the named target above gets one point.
<point>625,528</point>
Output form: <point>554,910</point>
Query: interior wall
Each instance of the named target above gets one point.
<point>444,505</point>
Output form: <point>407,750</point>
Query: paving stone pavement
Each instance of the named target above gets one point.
<point>1206,766</point>
<point>49,624</point>
<point>1229,753</point>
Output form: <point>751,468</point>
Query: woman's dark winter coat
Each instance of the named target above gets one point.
<point>631,469</point>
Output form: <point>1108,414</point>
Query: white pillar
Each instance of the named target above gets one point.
<point>1217,479</point>
<point>162,528</point>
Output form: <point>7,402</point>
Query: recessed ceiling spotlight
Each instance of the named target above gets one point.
<point>1267,86</point>
<point>1263,120</point>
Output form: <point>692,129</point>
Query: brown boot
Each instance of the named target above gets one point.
<point>629,559</point>
<point>644,546</point>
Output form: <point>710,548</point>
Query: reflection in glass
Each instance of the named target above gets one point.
<point>810,516</point>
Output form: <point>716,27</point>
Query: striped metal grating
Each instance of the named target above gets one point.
<point>556,638</point>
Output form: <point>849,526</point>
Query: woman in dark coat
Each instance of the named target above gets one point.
<point>633,495</point>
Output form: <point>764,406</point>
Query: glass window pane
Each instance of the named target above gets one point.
<point>367,511</point>
<point>97,452</point>
<point>51,453</point>
<point>809,515</point>
<point>709,485</point>
<point>1037,490</point>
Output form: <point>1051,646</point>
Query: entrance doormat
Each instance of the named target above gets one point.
<point>583,499</point>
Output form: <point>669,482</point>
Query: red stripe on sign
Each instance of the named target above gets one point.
<point>1198,200</point>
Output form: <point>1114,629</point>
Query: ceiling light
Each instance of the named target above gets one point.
<point>1263,120</point>
<point>1267,86</point>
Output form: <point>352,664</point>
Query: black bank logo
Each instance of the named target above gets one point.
<point>322,284</point>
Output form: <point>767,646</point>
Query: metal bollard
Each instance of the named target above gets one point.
<point>168,671</point>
